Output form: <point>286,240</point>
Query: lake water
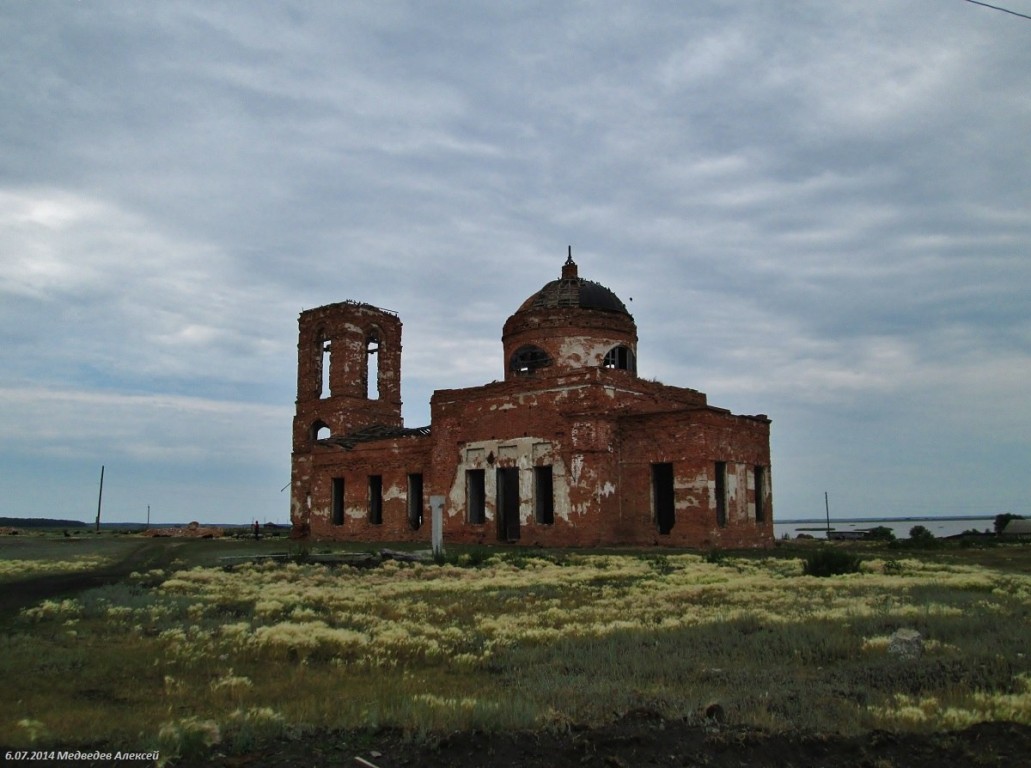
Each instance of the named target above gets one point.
<point>940,527</point>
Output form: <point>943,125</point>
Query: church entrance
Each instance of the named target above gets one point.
<point>508,503</point>
<point>663,499</point>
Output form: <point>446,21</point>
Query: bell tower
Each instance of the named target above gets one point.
<point>348,371</point>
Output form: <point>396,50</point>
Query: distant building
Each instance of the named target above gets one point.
<point>1018,528</point>
<point>570,449</point>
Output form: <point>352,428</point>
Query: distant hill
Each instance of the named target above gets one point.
<point>43,522</point>
<point>39,522</point>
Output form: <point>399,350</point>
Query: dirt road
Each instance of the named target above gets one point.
<point>22,593</point>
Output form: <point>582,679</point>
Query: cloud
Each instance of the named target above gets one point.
<point>141,428</point>
<point>119,300</point>
<point>819,212</point>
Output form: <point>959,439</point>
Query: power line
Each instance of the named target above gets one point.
<point>997,8</point>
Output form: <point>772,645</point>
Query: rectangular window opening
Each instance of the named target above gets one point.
<point>663,497</point>
<point>507,509</point>
<point>372,368</point>
<point>721,494</point>
<point>338,501</point>
<point>760,495</point>
<point>415,501</point>
<point>376,499</point>
<point>543,495</point>
<point>324,368</point>
<point>476,495</point>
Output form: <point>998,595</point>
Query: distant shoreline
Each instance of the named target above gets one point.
<point>44,522</point>
<point>34,522</point>
<point>908,519</point>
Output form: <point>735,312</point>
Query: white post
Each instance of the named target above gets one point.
<point>437,530</point>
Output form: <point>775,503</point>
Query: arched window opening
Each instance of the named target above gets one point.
<point>372,366</point>
<point>528,359</point>
<point>319,431</point>
<point>325,356</point>
<point>621,358</point>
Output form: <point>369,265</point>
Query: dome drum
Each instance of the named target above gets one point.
<point>570,323</point>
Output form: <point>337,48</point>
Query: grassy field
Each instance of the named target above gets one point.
<point>180,656</point>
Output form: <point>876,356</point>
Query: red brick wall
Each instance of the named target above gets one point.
<point>693,443</point>
<point>346,407</point>
<point>393,460</point>
<point>600,430</point>
<point>572,338</point>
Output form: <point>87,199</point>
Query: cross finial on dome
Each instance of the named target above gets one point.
<point>569,268</point>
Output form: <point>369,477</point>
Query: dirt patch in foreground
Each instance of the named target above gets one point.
<point>637,740</point>
<point>646,740</point>
<point>22,593</point>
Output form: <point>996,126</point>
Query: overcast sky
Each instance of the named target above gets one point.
<point>818,211</point>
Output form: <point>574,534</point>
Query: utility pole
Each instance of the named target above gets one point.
<point>827,507</point>
<point>148,517</point>
<point>100,496</point>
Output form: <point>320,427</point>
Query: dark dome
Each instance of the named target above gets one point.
<point>571,290</point>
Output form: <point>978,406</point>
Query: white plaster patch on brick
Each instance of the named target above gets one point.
<point>456,496</point>
<point>561,490</point>
<point>584,434</point>
<point>584,351</point>
<point>573,350</point>
<point>738,507</point>
<point>396,491</point>
<point>521,451</point>
<point>525,494</point>
<point>541,452</point>
<point>508,452</point>
<point>683,499</point>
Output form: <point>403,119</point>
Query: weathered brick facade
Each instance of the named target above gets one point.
<point>571,449</point>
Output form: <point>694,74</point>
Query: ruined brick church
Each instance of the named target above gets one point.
<point>570,449</point>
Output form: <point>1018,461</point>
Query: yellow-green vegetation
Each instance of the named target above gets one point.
<point>185,658</point>
<point>18,569</point>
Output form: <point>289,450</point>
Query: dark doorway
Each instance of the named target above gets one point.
<point>338,501</point>
<point>376,499</point>
<point>476,495</point>
<point>543,495</point>
<point>508,503</point>
<point>415,501</point>
<point>662,497</point>
<point>721,494</point>
<point>760,494</point>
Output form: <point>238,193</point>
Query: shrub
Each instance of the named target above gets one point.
<point>661,565</point>
<point>188,739</point>
<point>880,533</point>
<point>828,561</point>
<point>469,558</point>
<point>921,537</point>
<point>715,557</point>
<point>893,567</point>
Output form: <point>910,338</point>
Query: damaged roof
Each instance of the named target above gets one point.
<point>372,434</point>
<point>572,291</point>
